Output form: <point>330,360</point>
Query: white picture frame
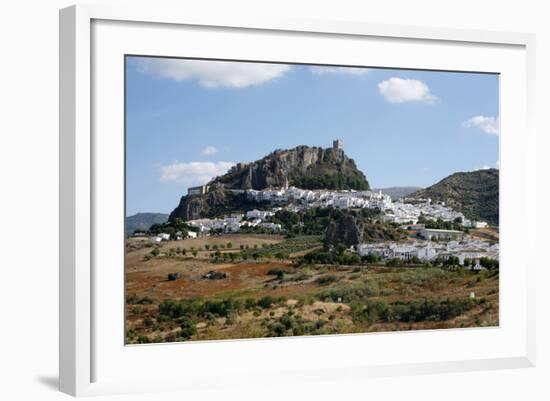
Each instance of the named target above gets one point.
<point>92,38</point>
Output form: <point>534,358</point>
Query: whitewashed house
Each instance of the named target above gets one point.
<point>480,224</point>
<point>271,226</point>
<point>426,252</point>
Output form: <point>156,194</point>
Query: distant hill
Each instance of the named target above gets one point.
<point>473,193</point>
<point>143,221</point>
<point>303,166</point>
<point>398,192</point>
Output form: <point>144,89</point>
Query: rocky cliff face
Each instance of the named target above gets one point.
<point>343,231</point>
<point>351,230</point>
<point>303,166</point>
<point>196,206</point>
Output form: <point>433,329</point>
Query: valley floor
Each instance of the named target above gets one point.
<point>265,294</point>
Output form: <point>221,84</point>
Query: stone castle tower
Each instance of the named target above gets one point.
<point>337,144</point>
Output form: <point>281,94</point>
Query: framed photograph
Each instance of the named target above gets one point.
<point>268,198</point>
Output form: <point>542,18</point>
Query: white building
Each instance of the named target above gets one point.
<point>258,214</point>
<point>271,226</point>
<point>479,224</point>
<point>431,233</point>
<point>426,253</point>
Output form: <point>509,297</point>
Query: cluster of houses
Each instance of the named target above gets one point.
<point>228,224</point>
<point>236,221</point>
<point>166,237</point>
<point>399,212</point>
<point>322,198</point>
<point>404,212</point>
<point>427,251</point>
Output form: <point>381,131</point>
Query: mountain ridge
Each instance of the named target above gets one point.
<point>398,192</point>
<point>143,221</point>
<point>474,193</point>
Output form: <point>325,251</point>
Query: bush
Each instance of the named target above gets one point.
<point>250,303</point>
<point>489,263</point>
<point>282,255</point>
<point>277,330</point>
<point>216,307</point>
<point>277,272</point>
<point>187,329</point>
<point>418,311</point>
<point>394,262</point>
<point>143,340</point>
<point>266,302</point>
<point>286,321</point>
<point>133,299</point>
<point>371,259</point>
<point>173,276</point>
<point>326,280</point>
<point>155,252</point>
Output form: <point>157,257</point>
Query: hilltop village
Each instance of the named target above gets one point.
<point>298,244</point>
<point>423,243</point>
<point>433,229</point>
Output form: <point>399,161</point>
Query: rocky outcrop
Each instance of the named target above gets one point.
<point>193,207</point>
<point>303,166</point>
<point>351,230</point>
<point>343,231</point>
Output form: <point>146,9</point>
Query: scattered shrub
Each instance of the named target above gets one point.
<point>173,276</point>
<point>326,280</point>
<point>143,340</point>
<point>266,302</point>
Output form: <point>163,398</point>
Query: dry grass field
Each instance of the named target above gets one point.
<point>170,295</point>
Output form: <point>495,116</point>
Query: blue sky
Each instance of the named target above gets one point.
<point>189,120</point>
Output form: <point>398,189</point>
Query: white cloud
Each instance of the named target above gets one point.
<point>489,125</point>
<point>193,173</point>
<point>209,151</point>
<point>212,74</point>
<point>339,70</point>
<point>400,90</point>
<point>497,164</point>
